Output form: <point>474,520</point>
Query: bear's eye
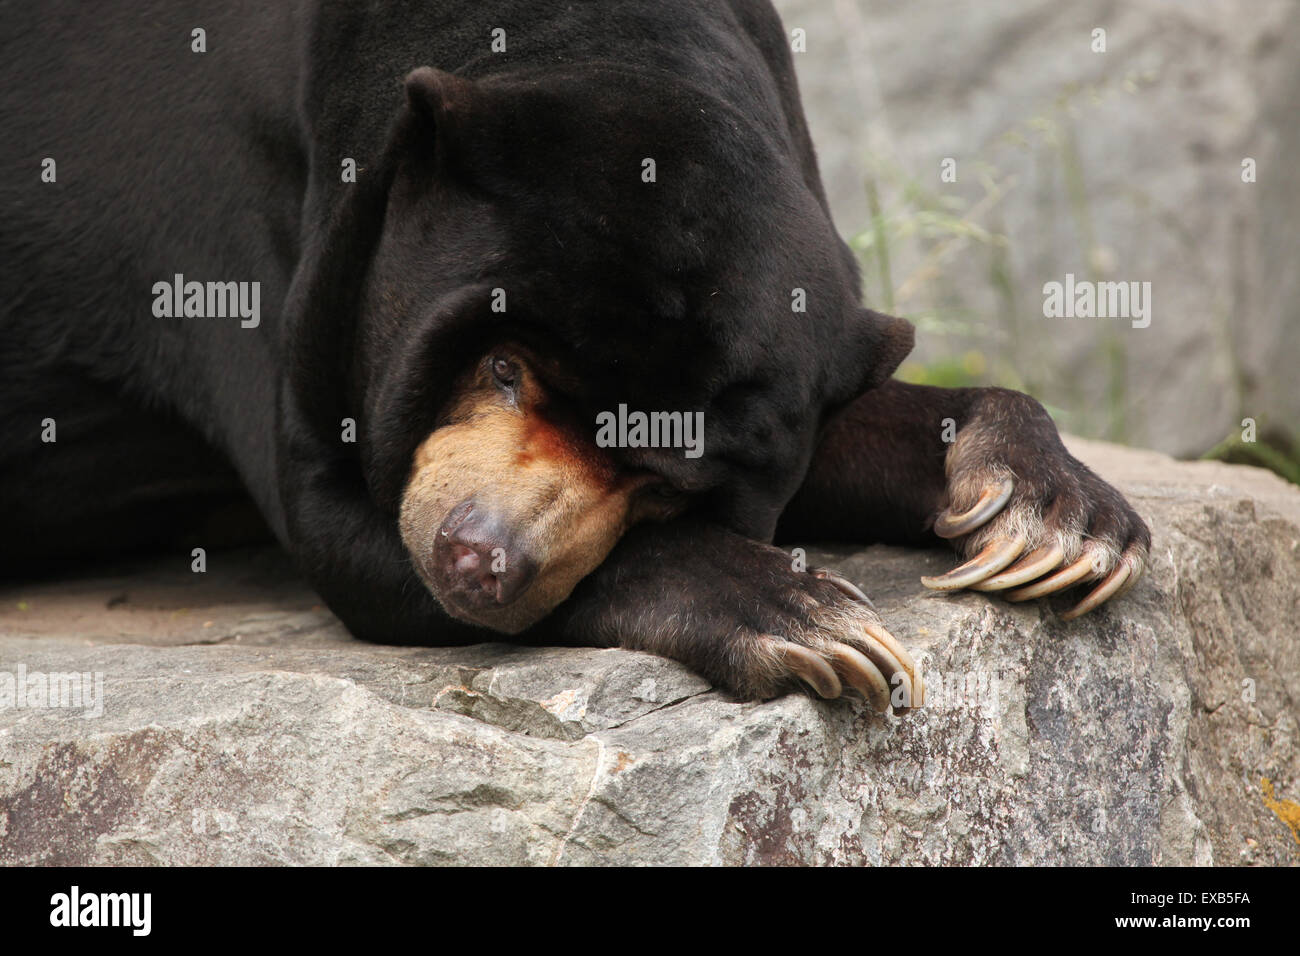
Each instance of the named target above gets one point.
<point>666,492</point>
<point>504,372</point>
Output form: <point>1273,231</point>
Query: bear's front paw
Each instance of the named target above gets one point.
<point>1033,520</point>
<point>739,613</point>
<point>822,630</point>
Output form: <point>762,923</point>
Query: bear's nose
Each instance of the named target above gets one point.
<point>482,560</point>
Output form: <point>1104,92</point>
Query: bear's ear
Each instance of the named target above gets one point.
<point>439,107</point>
<point>437,95</point>
<point>880,343</point>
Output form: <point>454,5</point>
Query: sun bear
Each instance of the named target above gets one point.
<point>474,235</point>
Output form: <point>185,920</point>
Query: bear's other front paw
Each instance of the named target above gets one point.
<point>839,640</point>
<point>737,612</point>
<point>1031,519</point>
<point>760,633</point>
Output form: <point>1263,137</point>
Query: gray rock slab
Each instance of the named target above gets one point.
<point>238,722</point>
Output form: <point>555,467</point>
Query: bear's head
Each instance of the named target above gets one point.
<point>566,249</point>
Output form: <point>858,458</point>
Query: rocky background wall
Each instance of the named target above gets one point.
<point>1117,165</point>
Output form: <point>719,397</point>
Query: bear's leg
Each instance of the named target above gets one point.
<point>983,468</point>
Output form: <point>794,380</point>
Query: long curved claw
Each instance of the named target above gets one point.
<point>1062,579</point>
<point>892,662</point>
<point>1102,592</point>
<point>909,666</point>
<point>844,584</point>
<point>1033,565</point>
<point>1118,583</point>
<point>862,674</point>
<point>809,667</point>
<point>993,499</point>
<point>1136,559</point>
<point>997,554</point>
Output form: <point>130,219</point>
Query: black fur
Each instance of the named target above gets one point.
<point>518,170</point>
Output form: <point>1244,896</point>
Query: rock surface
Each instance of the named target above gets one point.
<point>241,724</point>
